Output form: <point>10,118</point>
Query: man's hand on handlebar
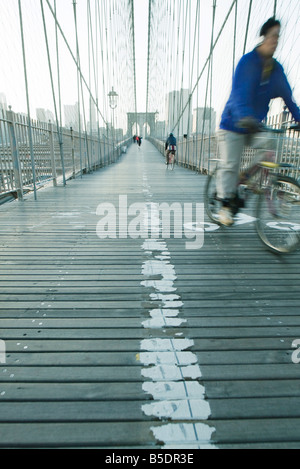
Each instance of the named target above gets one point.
<point>249,123</point>
<point>254,126</point>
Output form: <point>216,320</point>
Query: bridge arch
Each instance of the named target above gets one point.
<point>144,122</point>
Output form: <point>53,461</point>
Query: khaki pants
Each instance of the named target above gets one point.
<point>231,146</point>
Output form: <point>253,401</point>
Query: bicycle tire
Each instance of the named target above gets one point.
<point>171,163</point>
<point>278,215</point>
<point>211,204</point>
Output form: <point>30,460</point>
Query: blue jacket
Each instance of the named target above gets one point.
<point>171,141</point>
<point>250,95</point>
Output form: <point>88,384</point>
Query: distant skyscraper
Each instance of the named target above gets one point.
<point>176,102</point>
<point>44,115</point>
<point>3,102</point>
<point>72,116</point>
<point>199,114</point>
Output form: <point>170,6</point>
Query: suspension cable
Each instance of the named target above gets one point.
<point>53,95</point>
<point>247,27</point>
<point>134,62</point>
<point>28,103</point>
<point>207,60</point>
<point>74,58</point>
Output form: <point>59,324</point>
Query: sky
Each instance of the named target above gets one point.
<point>141,28</point>
<point>12,74</point>
<point>12,82</point>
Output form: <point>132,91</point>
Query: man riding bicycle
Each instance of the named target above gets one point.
<point>258,79</point>
<point>170,147</point>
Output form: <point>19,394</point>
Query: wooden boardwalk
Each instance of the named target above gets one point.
<point>83,334</point>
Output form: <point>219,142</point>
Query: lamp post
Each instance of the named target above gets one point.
<point>113,103</point>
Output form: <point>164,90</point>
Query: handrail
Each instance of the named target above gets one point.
<point>16,172</point>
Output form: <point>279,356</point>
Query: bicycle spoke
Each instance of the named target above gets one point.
<point>278,213</point>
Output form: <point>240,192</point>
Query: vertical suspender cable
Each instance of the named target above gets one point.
<point>197,99</point>
<point>89,28</point>
<point>72,55</point>
<point>79,115</point>
<point>183,63</point>
<point>148,56</point>
<point>211,92</point>
<point>234,38</point>
<point>101,36</point>
<point>209,71</point>
<point>97,86</point>
<point>247,28</point>
<point>81,87</point>
<point>54,99</point>
<point>28,105</point>
<point>58,68</point>
<point>134,63</point>
<point>208,59</point>
<point>192,67</point>
<point>275,8</point>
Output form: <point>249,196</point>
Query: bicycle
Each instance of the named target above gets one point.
<point>277,210</point>
<point>171,153</point>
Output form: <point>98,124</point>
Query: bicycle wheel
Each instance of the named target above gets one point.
<point>172,164</point>
<point>278,215</point>
<point>171,161</point>
<point>211,202</point>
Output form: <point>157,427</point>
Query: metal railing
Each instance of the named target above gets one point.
<point>198,154</point>
<point>55,154</point>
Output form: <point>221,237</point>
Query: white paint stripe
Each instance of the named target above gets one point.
<point>171,369</point>
<point>184,432</point>
<point>164,358</point>
<point>172,372</point>
<point>157,323</point>
<point>165,313</point>
<point>160,285</point>
<point>166,344</point>
<point>179,410</point>
<point>170,390</point>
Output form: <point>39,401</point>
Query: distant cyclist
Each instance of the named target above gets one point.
<point>170,146</point>
<point>258,79</point>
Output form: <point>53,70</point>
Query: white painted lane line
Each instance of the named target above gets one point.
<point>169,390</point>
<point>159,358</point>
<point>157,323</point>
<point>172,370</point>
<point>162,345</point>
<point>184,433</point>
<point>179,409</point>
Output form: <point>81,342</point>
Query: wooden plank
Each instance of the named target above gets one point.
<point>73,378</point>
<point>255,322</point>
<point>114,333</point>
<point>125,358</point>
<point>137,434</point>
<point>116,345</point>
<point>33,392</point>
<point>131,410</point>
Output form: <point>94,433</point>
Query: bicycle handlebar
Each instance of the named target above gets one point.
<point>264,128</point>
<point>295,127</point>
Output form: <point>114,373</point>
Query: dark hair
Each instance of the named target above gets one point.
<point>268,25</point>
